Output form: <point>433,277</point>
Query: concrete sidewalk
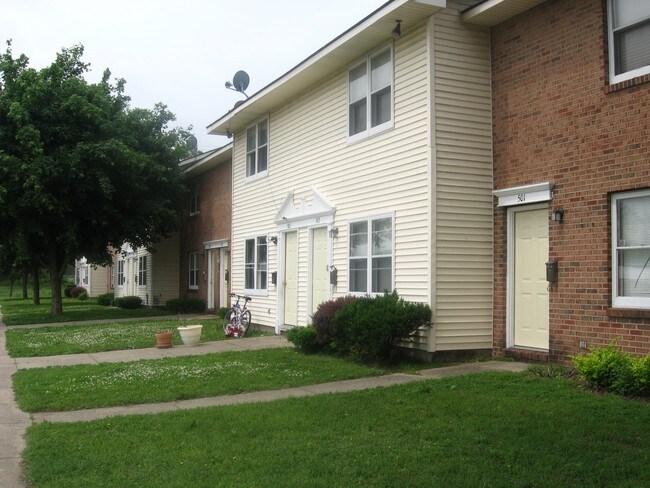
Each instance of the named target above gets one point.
<point>13,421</point>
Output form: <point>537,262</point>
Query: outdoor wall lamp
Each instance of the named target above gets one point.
<point>557,215</point>
<point>334,232</point>
<point>274,239</point>
<point>397,31</point>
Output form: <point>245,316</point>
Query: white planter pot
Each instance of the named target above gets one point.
<point>191,334</point>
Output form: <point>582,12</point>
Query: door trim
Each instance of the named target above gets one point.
<point>510,266</point>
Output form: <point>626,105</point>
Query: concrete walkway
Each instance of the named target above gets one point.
<point>13,421</point>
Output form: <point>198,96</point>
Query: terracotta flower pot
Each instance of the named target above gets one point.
<point>163,340</point>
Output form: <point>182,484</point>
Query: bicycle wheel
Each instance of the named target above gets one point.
<point>227,319</point>
<point>245,322</point>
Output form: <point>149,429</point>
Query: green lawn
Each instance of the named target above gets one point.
<point>488,430</point>
<point>163,380</point>
<point>74,339</point>
<point>17,311</point>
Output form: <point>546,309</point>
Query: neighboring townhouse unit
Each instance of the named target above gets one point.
<point>151,276</point>
<point>571,105</point>
<point>368,167</point>
<point>97,280</point>
<point>205,228</point>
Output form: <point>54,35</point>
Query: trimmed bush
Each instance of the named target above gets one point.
<point>186,305</point>
<point>304,338</point>
<point>75,291</point>
<point>129,302</point>
<point>322,318</point>
<point>67,290</point>
<point>83,295</point>
<point>106,300</point>
<point>615,371</point>
<point>223,311</point>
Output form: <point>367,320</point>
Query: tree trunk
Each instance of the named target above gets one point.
<point>12,280</point>
<point>56,267</point>
<point>36,285</point>
<point>25,282</point>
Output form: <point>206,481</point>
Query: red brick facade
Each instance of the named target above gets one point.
<point>211,223</point>
<point>557,119</point>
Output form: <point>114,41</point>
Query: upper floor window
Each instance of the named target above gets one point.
<point>255,263</point>
<point>631,249</point>
<point>194,199</point>
<point>194,271</point>
<point>257,148</point>
<point>142,270</point>
<point>629,39</point>
<point>371,255</point>
<point>370,94</point>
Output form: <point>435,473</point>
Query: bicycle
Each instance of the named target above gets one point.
<point>238,318</point>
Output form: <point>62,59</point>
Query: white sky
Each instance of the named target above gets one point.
<point>180,53</point>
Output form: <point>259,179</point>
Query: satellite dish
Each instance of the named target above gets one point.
<point>240,81</point>
<point>191,143</point>
<point>237,104</point>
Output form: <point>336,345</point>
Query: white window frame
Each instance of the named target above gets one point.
<point>256,150</point>
<point>120,272</point>
<point>622,301</point>
<point>367,60</point>
<point>142,271</point>
<point>611,31</point>
<point>193,270</point>
<point>194,198</point>
<point>260,287</point>
<point>369,256</point>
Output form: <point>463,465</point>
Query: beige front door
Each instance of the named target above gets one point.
<point>319,268</point>
<point>291,278</point>
<point>530,288</point>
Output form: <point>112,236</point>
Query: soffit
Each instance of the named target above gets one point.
<point>492,12</point>
<point>203,162</point>
<point>366,35</point>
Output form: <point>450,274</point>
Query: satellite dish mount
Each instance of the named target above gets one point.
<point>239,82</point>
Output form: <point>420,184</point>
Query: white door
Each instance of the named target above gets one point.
<point>530,288</point>
<point>291,278</point>
<point>212,270</point>
<point>223,278</point>
<point>319,268</point>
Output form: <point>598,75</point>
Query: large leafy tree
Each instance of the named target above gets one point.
<point>80,169</point>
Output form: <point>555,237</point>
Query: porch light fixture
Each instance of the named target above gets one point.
<point>397,31</point>
<point>334,232</point>
<point>557,215</point>
<point>274,239</point>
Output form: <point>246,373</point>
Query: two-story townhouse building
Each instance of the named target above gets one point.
<point>205,228</point>
<point>368,167</point>
<point>571,106</point>
<point>97,280</point>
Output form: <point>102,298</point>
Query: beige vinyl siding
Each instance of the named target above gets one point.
<point>463,183</point>
<point>98,280</point>
<point>386,174</point>
<point>164,271</point>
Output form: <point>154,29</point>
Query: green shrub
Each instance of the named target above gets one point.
<point>223,311</point>
<point>83,295</point>
<point>322,318</point>
<point>186,305</point>
<point>75,291</point>
<point>129,302</point>
<point>368,328</point>
<point>614,370</point>
<point>106,300</point>
<point>304,338</point>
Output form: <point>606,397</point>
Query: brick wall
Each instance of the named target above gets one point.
<point>556,119</point>
<point>213,222</point>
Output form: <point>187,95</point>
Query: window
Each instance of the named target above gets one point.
<point>371,255</point>
<point>194,270</point>
<point>631,249</point>
<point>120,273</point>
<point>142,271</point>
<point>257,148</point>
<point>255,264</point>
<point>84,275</point>
<point>629,39</point>
<point>194,199</point>
<point>370,95</point>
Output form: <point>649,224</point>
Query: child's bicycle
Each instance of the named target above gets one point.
<point>238,318</point>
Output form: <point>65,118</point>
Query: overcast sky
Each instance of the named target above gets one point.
<point>180,53</point>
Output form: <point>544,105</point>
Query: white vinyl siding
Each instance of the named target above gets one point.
<point>631,249</point>
<point>463,183</point>
<point>629,39</point>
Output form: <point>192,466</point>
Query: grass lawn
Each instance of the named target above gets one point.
<point>488,430</point>
<point>17,311</point>
<point>75,339</point>
<point>163,380</point>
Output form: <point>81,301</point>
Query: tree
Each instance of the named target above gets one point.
<point>79,169</point>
